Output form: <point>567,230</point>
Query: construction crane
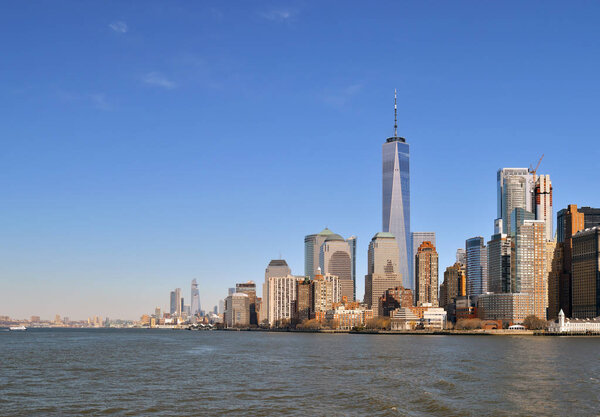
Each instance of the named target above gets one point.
<point>534,171</point>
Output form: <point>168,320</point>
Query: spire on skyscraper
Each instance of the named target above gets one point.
<point>395,116</point>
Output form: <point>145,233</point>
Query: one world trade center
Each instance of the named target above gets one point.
<point>396,197</point>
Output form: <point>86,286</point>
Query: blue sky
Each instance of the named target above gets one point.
<point>145,144</point>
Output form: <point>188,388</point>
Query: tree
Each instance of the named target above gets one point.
<point>310,325</point>
<point>533,323</point>
<point>468,324</point>
<point>380,323</point>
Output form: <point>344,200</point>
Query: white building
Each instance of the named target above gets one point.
<point>404,319</point>
<point>434,318</point>
<point>574,325</point>
<point>280,295</point>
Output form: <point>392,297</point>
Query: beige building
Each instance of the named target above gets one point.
<point>336,259</point>
<point>281,298</point>
<point>512,307</point>
<point>543,203</point>
<point>586,273</point>
<point>276,268</point>
<point>383,260</point>
<point>325,291</point>
<point>426,275</point>
<point>454,285</point>
<point>237,310</point>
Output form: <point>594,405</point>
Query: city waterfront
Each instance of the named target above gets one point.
<point>173,373</point>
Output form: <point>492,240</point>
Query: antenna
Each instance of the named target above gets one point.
<point>395,116</point>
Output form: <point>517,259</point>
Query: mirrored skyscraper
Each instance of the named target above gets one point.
<point>195,297</point>
<point>396,199</point>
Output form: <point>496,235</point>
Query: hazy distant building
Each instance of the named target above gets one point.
<point>477,269</point>
<point>543,203</point>
<point>336,259</point>
<point>396,200</point>
<point>499,263</point>
<point>221,306</point>
<point>515,189</point>
<point>383,268</point>
<point>195,299</point>
<point>237,310</point>
<point>249,288</point>
<point>426,274</point>
<point>461,256</point>
<point>586,273</point>
<point>179,302</point>
<point>173,303</point>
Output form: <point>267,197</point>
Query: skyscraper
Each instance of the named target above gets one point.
<point>396,198</point>
<point>195,297</point>
<point>499,263</point>
<point>173,303</point>
<point>336,259</point>
<point>477,269</point>
<point>382,268</point>
<point>312,249</point>
<point>515,189</point>
<point>461,256</point>
<point>178,302</point>
<point>586,273</point>
<point>426,275</point>
<point>276,268</point>
<point>352,245</point>
<point>416,238</point>
<point>543,203</point>
<point>249,288</point>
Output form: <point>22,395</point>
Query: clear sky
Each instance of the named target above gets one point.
<point>144,144</point>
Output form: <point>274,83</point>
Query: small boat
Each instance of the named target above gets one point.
<point>17,328</point>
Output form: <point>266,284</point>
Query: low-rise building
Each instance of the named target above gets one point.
<point>404,319</point>
<point>563,325</point>
<point>346,317</point>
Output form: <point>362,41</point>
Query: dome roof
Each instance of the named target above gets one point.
<point>325,232</point>
<point>384,235</point>
<point>334,237</point>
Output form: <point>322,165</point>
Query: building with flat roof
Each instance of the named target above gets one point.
<point>586,273</point>
<point>477,268</point>
<point>237,310</point>
<point>382,268</point>
<point>426,274</point>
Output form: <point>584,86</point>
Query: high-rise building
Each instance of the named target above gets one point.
<point>591,217</point>
<point>221,306</point>
<point>543,203</point>
<point>528,264</point>
<point>352,242</point>
<point>396,198</point>
<point>336,259</point>
<point>515,189</point>
<point>569,221</point>
<point>477,268</point>
<point>303,304</point>
<point>281,298</point>
<point>554,259</point>
<point>586,273</point>
<point>195,299</point>
<point>173,303</point>
<point>461,256</point>
<point>250,289</point>
<point>416,238</point>
<point>237,310</point>
<point>426,275</point>
<point>178,302</point>
<point>499,263</point>
<point>383,268</point>
<point>312,251</point>
<point>276,268</point>
<point>454,285</point>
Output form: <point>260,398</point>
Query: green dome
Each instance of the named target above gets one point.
<point>334,237</point>
<point>384,235</point>
<point>325,232</point>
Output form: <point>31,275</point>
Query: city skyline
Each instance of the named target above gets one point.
<point>120,186</point>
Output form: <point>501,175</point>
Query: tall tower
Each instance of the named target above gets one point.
<point>396,198</point>
<point>543,203</point>
<point>195,297</point>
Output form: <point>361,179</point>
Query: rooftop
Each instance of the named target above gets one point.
<point>381,235</point>
<point>278,262</point>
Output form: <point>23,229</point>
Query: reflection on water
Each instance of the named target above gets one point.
<point>143,372</point>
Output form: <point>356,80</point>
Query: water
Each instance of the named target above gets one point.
<point>183,373</point>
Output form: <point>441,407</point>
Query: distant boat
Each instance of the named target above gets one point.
<point>17,328</point>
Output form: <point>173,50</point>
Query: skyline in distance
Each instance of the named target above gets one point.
<point>127,179</point>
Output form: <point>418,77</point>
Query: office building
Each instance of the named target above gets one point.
<point>426,275</point>
<point>514,189</point>
<point>416,238</point>
<point>586,273</point>
<point>312,251</point>
<point>543,203</point>
<point>454,285</point>
<point>336,259</point>
<point>173,303</point>
<point>554,260</point>
<point>509,307</point>
<point>569,221</point>
<point>249,288</point>
<point>237,310</point>
<point>499,263</point>
<point>396,198</point>
<point>477,268</point>
<point>276,268</point>
<point>303,304</point>
<point>195,299</point>
<point>178,302</point>
<point>383,268</point>
<point>352,243</point>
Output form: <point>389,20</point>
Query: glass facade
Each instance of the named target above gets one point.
<point>396,202</point>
